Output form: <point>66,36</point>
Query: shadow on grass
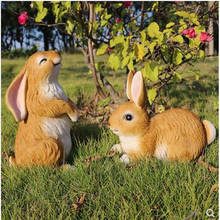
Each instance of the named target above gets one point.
<point>81,133</point>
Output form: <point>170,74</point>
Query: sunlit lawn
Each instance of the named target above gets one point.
<point>150,189</point>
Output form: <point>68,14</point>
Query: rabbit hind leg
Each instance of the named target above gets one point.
<point>48,151</point>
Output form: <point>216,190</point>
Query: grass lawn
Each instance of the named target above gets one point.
<point>108,189</point>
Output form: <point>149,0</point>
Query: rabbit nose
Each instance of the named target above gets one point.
<point>57,60</point>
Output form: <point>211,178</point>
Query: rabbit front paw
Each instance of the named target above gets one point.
<point>125,159</point>
<point>73,117</point>
<point>116,148</point>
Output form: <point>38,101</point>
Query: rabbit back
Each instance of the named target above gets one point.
<point>180,135</point>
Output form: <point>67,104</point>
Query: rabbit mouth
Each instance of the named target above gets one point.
<point>57,64</point>
<point>114,130</point>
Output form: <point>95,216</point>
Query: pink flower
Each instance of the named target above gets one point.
<point>190,32</point>
<point>205,37</point>
<point>127,4</point>
<point>23,18</point>
<point>117,20</point>
<point>185,32</point>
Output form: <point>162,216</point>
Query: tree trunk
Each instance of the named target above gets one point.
<point>91,54</point>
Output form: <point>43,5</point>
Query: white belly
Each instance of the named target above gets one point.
<point>129,143</point>
<point>59,128</point>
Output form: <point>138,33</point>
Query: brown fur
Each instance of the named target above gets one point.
<point>180,131</point>
<point>32,145</point>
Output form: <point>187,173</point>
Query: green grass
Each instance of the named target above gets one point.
<point>150,189</point>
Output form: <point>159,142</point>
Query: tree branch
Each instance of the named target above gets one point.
<point>114,94</point>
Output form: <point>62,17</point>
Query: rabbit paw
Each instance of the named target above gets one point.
<point>74,117</point>
<point>116,148</point>
<point>125,159</point>
<point>68,167</point>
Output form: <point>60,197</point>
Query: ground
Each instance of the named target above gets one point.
<point>101,187</point>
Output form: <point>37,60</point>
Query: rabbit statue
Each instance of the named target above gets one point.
<point>44,112</point>
<point>175,134</point>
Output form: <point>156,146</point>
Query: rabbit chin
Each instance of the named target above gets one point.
<point>50,87</point>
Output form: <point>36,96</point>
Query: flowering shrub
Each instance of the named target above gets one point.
<point>23,18</point>
<point>132,41</point>
<point>157,52</point>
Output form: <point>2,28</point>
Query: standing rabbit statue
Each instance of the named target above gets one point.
<point>44,112</point>
<point>174,134</point>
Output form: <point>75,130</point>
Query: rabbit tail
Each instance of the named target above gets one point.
<point>210,131</point>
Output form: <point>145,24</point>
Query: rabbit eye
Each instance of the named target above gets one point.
<point>128,117</point>
<point>42,61</point>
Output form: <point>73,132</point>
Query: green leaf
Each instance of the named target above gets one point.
<point>183,14</point>
<point>100,66</point>
<point>178,75</point>
<point>154,32</point>
<point>150,71</point>
<point>143,36</point>
<point>131,65</point>
<point>151,46</point>
<point>201,53</point>
<point>77,6</point>
<point>169,25</point>
<point>56,11</point>
<point>155,6</point>
<point>194,43</point>
<point>151,94</point>
<point>69,26</point>
<point>177,57</point>
<point>193,18</point>
<point>188,56</point>
<point>66,4</point>
<point>117,5</point>
<point>116,40</point>
<point>40,5</point>
<point>178,39</point>
<point>114,61</point>
<point>140,51</point>
<point>199,29</point>
<point>102,49</point>
<point>125,61</point>
<point>196,76</point>
<point>98,8</point>
<point>125,48</point>
<point>103,22</point>
<point>42,12</point>
<point>90,72</point>
<point>153,29</point>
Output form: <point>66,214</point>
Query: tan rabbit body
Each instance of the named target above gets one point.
<point>174,134</point>
<point>39,103</point>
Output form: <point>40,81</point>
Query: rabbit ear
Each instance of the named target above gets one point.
<point>15,96</point>
<point>138,90</point>
<point>128,87</point>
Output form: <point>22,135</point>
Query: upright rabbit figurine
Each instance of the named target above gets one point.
<point>39,104</point>
<point>174,134</point>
